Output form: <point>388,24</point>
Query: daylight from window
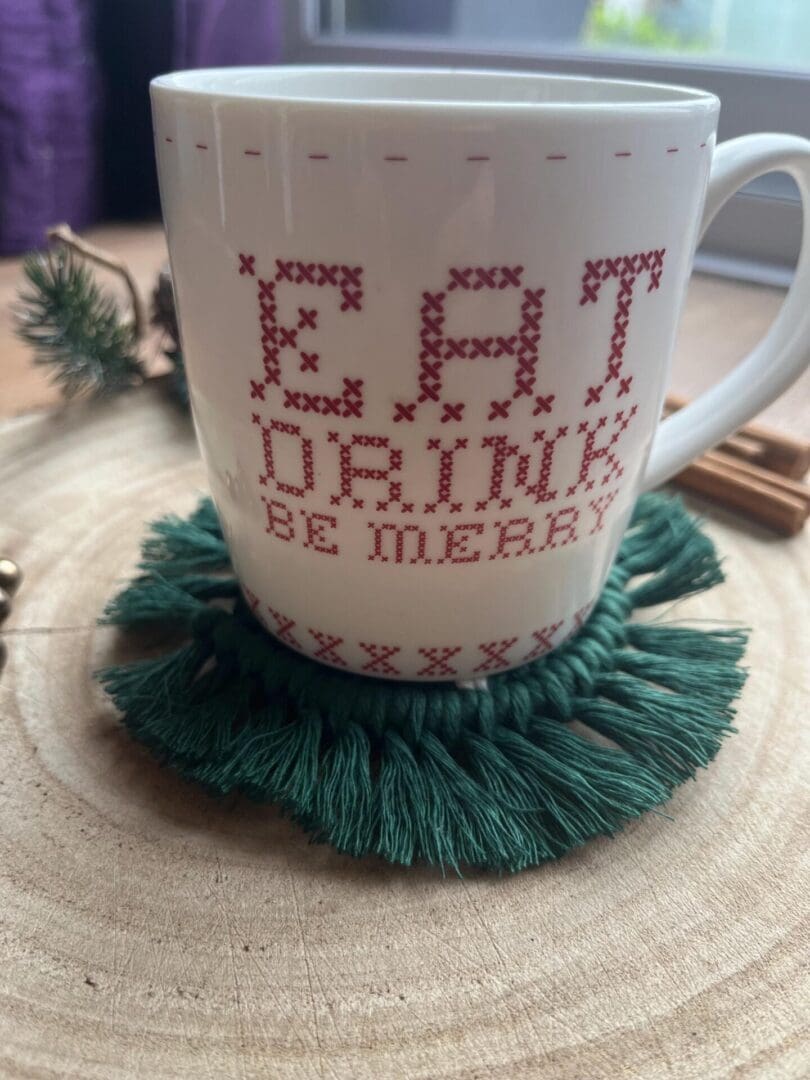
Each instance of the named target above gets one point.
<point>764,33</point>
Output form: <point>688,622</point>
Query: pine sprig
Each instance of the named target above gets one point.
<point>75,328</point>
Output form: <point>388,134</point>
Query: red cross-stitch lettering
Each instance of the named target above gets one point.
<point>447,458</point>
<point>438,658</point>
<point>495,654</point>
<point>279,340</point>
<point>600,506</point>
<point>625,269</point>
<point>303,451</point>
<point>328,644</point>
<point>457,542</point>
<point>562,527</point>
<point>315,526</point>
<point>605,453</point>
<point>540,488</point>
<point>514,538</point>
<point>379,662</point>
<point>437,347</point>
<point>544,641</point>
<point>351,471</point>
<point>502,450</point>
<point>279,520</point>
<point>404,538</point>
<point>283,628</point>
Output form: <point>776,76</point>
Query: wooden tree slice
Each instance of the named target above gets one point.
<point>149,931</point>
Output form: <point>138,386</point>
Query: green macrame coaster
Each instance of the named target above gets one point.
<point>494,777</point>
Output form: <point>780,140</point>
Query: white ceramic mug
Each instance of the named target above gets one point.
<point>427,318</point>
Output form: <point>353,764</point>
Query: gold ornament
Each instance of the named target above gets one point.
<point>10,576</point>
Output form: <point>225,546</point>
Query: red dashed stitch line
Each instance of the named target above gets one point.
<point>168,139</point>
<point>625,268</point>
<point>252,599</point>
<point>328,647</point>
<point>495,654</point>
<point>379,662</point>
<point>438,657</point>
<point>404,157</point>
<point>283,628</point>
<point>544,640</point>
<point>247,264</point>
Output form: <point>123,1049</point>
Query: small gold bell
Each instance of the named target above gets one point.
<point>10,576</point>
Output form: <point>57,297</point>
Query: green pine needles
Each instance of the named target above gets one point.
<point>76,329</point>
<point>497,778</point>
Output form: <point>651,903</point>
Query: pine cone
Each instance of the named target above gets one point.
<point>164,314</point>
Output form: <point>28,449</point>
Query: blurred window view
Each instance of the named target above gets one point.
<point>762,33</point>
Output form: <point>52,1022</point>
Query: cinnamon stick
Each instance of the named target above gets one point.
<point>780,510</point>
<point>761,446</point>
<point>734,465</point>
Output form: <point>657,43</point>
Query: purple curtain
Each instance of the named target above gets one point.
<point>48,119</point>
<point>75,127</point>
<point>218,33</point>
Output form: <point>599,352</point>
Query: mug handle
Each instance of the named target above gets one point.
<point>783,353</point>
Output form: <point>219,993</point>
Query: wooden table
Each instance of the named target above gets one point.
<point>149,931</point>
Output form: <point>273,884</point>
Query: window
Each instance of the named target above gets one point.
<point>754,54</point>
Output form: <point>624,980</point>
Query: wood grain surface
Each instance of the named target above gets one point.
<point>147,930</point>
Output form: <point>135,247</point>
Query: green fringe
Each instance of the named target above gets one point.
<point>494,778</point>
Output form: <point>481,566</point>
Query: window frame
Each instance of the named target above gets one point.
<point>757,235</point>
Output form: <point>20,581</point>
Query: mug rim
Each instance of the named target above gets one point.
<point>255,84</point>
